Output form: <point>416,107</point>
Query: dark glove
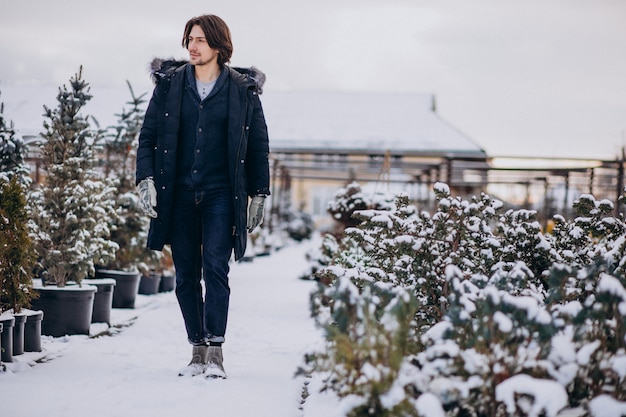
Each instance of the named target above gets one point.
<point>255,212</point>
<point>147,196</point>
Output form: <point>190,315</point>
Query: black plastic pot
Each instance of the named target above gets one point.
<point>103,300</point>
<point>67,310</point>
<point>32,331</point>
<point>168,282</point>
<point>7,321</point>
<point>18,334</point>
<point>126,286</point>
<point>149,284</point>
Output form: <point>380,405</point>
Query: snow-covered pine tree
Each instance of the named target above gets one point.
<point>297,224</point>
<point>347,200</point>
<point>369,331</point>
<point>521,240</point>
<point>504,326</point>
<point>351,198</point>
<point>489,335</point>
<point>318,258</point>
<point>120,146</point>
<point>17,256</point>
<point>130,228</point>
<point>12,152</point>
<point>337,247</point>
<point>458,233</point>
<point>589,304</point>
<point>16,248</point>
<point>576,242</point>
<point>74,207</point>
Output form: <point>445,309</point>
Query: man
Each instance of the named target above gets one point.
<point>202,153</point>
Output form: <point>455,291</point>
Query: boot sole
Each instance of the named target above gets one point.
<point>187,372</point>
<point>214,374</point>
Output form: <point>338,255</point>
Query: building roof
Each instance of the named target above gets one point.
<point>360,122</point>
<point>312,121</point>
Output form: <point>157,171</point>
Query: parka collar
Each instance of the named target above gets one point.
<point>163,68</point>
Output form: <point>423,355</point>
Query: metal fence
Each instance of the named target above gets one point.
<point>548,185</point>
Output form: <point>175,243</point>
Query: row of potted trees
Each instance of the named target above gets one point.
<point>80,232</point>
<point>16,251</point>
<point>19,328</point>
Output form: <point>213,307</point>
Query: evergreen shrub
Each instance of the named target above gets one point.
<point>490,315</point>
<point>73,209</point>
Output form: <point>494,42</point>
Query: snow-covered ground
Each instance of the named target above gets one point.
<point>134,371</point>
<point>131,368</point>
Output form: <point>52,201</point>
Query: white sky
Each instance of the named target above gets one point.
<point>521,78</point>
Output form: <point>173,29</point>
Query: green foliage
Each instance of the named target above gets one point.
<point>590,304</point>
<point>347,200</point>
<point>495,334</point>
<point>12,153</point>
<point>17,256</point>
<point>74,207</point>
<point>351,199</point>
<point>593,232</point>
<point>522,240</point>
<point>319,258</point>
<point>493,297</point>
<point>368,332</point>
<point>130,228</point>
<point>121,144</point>
<point>298,225</point>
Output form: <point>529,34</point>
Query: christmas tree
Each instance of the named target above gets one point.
<point>130,230</point>
<point>17,256</point>
<point>74,207</point>
<point>12,152</point>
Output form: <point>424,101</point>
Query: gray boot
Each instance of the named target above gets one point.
<point>215,363</point>
<point>199,355</point>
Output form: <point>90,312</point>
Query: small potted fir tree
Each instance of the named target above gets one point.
<point>16,265</point>
<point>130,266</point>
<point>72,211</point>
<point>16,249</point>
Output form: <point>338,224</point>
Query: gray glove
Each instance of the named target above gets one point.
<point>255,212</point>
<point>147,196</point>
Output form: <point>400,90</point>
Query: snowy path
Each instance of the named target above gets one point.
<point>134,373</point>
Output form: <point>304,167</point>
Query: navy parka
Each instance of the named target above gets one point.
<point>248,145</point>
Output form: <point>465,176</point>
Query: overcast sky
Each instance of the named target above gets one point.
<point>521,78</point>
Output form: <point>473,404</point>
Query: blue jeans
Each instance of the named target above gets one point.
<point>202,242</point>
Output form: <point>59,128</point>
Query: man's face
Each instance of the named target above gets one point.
<point>200,53</point>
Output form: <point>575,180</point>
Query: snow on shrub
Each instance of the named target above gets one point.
<point>73,208</point>
<point>497,317</point>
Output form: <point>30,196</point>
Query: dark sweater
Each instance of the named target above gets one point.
<point>202,141</point>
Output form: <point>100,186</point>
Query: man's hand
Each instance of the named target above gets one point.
<point>255,212</point>
<point>147,196</point>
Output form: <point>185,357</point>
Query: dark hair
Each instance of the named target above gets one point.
<point>217,35</point>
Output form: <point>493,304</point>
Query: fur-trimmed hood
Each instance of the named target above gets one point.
<point>163,68</point>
